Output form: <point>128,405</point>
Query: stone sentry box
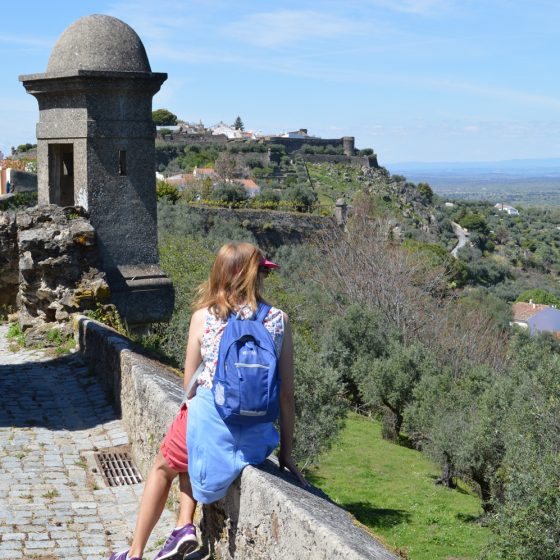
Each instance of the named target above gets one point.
<point>95,149</point>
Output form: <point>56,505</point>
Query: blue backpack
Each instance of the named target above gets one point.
<point>246,382</point>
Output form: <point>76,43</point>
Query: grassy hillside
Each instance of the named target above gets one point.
<point>391,490</point>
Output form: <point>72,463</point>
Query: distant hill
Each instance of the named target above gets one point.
<point>521,181</point>
<point>525,166</point>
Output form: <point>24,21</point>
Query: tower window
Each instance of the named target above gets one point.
<point>61,174</point>
<point>122,162</point>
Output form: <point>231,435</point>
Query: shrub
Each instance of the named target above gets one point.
<point>229,193</point>
<point>320,407</point>
<point>301,196</point>
<point>539,296</point>
<point>165,190</point>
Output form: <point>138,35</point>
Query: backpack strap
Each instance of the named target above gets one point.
<point>262,311</point>
<point>193,380</point>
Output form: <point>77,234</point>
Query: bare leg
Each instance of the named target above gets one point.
<point>187,502</point>
<point>156,491</point>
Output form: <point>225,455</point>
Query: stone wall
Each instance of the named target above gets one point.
<point>294,144</point>
<point>356,161</point>
<point>22,181</point>
<point>270,228</point>
<point>48,263</point>
<point>57,253</point>
<point>184,139</point>
<point>9,270</point>
<point>265,514</point>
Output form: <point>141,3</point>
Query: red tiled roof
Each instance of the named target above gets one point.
<point>249,184</point>
<point>523,311</point>
<point>204,171</point>
<point>180,179</point>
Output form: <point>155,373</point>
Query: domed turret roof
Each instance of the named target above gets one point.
<point>99,42</point>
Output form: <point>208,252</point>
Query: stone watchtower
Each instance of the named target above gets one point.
<point>348,145</point>
<point>95,149</point>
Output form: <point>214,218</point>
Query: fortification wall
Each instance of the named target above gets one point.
<point>294,144</point>
<point>183,139</point>
<point>265,514</point>
<point>270,228</point>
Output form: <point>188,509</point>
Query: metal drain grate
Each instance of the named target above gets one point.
<point>117,467</point>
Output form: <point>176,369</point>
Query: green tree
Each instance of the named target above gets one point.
<point>474,222</point>
<point>26,147</point>
<point>320,406</point>
<point>302,197</point>
<point>358,333</point>
<point>426,192</point>
<point>539,296</point>
<point>206,188</point>
<point>527,524</point>
<point>164,117</point>
<point>457,421</point>
<point>269,198</point>
<point>387,383</point>
<point>230,193</point>
<point>238,124</point>
<point>165,190</point>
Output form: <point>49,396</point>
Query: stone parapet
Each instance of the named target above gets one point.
<point>265,514</point>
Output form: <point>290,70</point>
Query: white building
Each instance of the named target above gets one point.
<point>226,130</point>
<point>501,207</point>
<point>301,133</point>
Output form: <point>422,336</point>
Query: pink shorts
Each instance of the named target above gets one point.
<point>174,446</point>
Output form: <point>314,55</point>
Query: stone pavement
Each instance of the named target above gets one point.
<point>53,416</point>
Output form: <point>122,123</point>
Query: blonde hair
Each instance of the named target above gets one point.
<point>233,281</point>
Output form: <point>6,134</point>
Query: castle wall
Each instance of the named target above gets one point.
<point>294,144</point>
<point>183,139</point>
<point>357,161</point>
<point>270,228</point>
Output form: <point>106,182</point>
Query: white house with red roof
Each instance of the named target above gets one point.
<point>501,207</point>
<point>523,311</point>
<point>251,188</point>
<point>227,130</point>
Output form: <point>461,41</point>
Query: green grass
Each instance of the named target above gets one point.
<point>16,335</point>
<point>391,490</point>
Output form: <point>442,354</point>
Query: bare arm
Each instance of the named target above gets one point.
<point>193,357</point>
<point>287,405</point>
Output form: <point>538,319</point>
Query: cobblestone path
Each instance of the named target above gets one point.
<point>53,416</point>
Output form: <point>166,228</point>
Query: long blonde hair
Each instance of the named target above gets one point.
<point>233,281</point>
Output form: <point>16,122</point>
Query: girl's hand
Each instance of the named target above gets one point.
<point>290,464</point>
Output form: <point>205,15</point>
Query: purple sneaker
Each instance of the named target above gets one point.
<point>181,541</point>
<point>123,556</point>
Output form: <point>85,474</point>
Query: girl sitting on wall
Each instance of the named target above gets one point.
<point>217,452</point>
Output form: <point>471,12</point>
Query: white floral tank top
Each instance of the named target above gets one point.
<point>214,328</point>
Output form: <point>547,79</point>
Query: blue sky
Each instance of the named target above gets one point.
<point>416,80</point>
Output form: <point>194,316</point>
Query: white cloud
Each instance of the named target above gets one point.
<point>490,91</point>
<point>287,27</point>
<point>421,7</point>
